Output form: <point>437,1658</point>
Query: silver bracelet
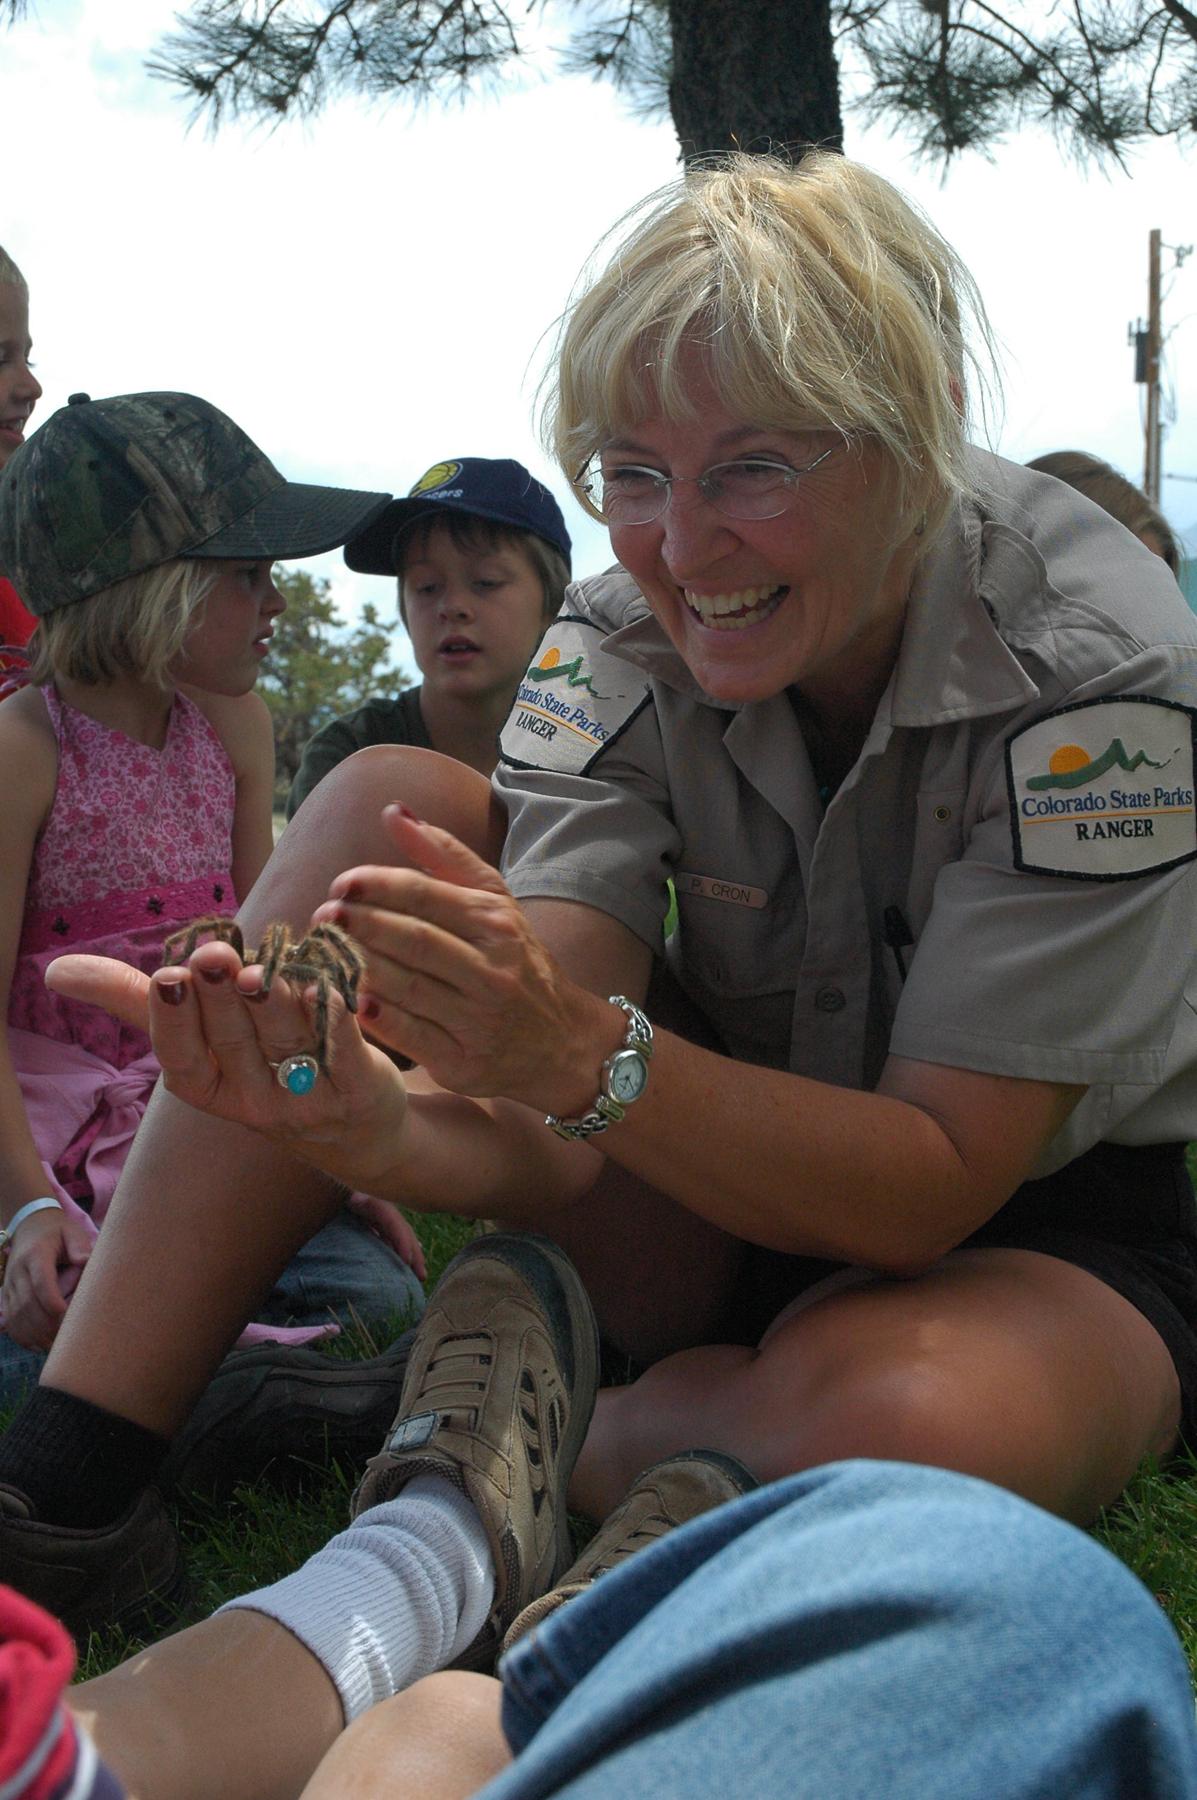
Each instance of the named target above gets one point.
<point>26,1212</point>
<point>19,1217</point>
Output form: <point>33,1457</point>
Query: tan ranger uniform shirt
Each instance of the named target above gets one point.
<point>1005,880</point>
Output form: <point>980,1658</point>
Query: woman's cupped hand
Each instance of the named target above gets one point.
<point>220,1038</point>
<point>456,980</point>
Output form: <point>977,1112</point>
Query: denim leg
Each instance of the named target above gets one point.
<point>863,1629</point>
<point>19,1371</point>
<point>344,1272</point>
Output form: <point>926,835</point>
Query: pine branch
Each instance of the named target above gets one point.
<point>631,49</point>
<point>274,58</point>
<point>1183,15</point>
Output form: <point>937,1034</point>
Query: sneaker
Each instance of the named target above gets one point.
<point>667,1494</point>
<point>129,1574</point>
<point>285,1411</point>
<point>499,1392</point>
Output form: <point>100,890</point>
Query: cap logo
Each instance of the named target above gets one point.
<point>435,477</point>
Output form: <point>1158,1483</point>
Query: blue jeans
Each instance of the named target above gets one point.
<point>347,1273</point>
<point>864,1629</point>
<point>344,1272</point>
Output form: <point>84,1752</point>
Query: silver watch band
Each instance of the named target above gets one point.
<point>606,1109</point>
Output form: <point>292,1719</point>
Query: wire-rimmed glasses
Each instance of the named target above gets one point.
<point>748,487</point>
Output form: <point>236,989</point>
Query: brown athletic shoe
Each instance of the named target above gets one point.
<point>667,1494</point>
<point>500,1387</point>
<point>128,1574</point>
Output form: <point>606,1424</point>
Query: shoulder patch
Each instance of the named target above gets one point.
<point>1104,790</point>
<point>573,702</point>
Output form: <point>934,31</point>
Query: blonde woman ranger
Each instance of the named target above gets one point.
<point>904,1176</point>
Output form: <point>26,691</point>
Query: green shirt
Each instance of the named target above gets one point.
<point>385,720</point>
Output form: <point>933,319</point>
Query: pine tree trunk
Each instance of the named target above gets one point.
<point>753,75</point>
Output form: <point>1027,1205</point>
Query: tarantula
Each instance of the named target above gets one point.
<point>327,956</point>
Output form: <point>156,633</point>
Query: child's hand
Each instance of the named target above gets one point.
<point>103,981</point>
<point>388,1223</point>
<point>45,1260</point>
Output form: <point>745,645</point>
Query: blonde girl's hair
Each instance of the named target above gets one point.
<point>134,627</point>
<point>10,275</point>
<point>820,299</point>
<point>1102,484</point>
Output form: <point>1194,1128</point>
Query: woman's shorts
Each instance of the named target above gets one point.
<point>1124,1213</point>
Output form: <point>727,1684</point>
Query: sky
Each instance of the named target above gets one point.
<point>375,290</point>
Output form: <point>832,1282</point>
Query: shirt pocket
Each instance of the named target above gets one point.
<point>739,964</point>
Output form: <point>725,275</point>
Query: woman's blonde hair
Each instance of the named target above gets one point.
<point>1102,484</point>
<point>10,275</point>
<point>820,299</point>
<point>135,627</point>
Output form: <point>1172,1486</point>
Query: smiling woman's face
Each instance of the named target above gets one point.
<point>814,598</point>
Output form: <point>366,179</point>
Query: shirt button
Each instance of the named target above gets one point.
<point>830,999</point>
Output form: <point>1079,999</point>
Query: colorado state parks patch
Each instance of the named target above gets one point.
<point>572,703</point>
<point>1104,790</point>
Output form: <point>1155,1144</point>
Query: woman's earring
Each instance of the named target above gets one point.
<point>921,526</point>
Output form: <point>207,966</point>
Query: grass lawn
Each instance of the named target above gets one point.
<point>261,1535</point>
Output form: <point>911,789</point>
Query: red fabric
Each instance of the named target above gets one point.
<point>37,1660</point>
<point>16,628</point>
<point>16,623</point>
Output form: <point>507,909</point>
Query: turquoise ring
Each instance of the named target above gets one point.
<point>297,1074</point>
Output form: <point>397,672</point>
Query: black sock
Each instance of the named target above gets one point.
<point>76,1463</point>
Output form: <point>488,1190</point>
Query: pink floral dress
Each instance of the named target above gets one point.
<point>138,842</point>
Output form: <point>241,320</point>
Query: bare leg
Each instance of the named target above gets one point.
<point>207,1214</point>
<point>235,1706</point>
<point>657,1275</point>
<point>1001,1363</point>
<point>440,1740</point>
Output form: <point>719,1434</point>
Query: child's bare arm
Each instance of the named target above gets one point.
<point>244,727</point>
<point>33,1304</point>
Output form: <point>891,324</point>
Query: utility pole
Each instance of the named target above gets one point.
<point>1147,341</point>
<point>1152,428</point>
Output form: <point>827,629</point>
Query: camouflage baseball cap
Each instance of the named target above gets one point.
<point>108,488</point>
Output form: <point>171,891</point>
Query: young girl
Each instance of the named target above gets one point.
<point>139,771</point>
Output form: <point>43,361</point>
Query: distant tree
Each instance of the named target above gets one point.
<point>318,667</point>
<point>953,74</point>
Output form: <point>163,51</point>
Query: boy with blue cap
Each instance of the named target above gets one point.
<point>481,553</point>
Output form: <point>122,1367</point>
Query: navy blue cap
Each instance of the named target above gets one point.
<point>484,487</point>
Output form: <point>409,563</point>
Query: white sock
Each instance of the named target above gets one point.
<point>402,1592</point>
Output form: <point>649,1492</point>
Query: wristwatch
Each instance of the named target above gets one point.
<point>624,1077</point>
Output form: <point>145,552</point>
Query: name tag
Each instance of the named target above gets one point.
<point>710,887</point>
<point>1104,790</point>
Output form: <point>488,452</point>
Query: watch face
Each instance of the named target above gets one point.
<point>627,1076</point>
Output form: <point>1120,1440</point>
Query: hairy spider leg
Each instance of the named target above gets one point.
<point>187,938</point>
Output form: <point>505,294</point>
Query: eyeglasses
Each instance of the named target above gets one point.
<point>749,488</point>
